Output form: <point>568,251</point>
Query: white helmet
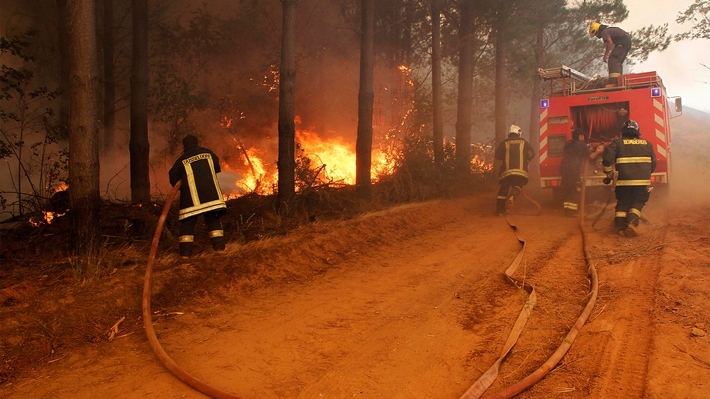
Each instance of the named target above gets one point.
<point>516,130</point>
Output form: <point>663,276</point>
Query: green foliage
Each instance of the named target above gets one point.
<point>181,53</point>
<point>28,130</point>
<point>698,15</point>
<point>647,40</point>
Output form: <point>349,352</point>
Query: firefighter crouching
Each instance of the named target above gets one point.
<point>515,154</point>
<point>635,161</point>
<point>200,194</point>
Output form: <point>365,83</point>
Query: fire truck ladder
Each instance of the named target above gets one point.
<point>564,80</point>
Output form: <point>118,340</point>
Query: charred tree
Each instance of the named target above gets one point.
<point>139,146</point>
<point>109,76</point>
<point>501,82</point>
<point>64,64</point>
<point>436,84</point>
<point>366,98</point>
<point>83,134</point>
<point>465,87</point>
<point>287,105</point>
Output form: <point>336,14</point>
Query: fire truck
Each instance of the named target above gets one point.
<point>572,100</point>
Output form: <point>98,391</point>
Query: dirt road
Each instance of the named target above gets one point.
<point>411,303</point>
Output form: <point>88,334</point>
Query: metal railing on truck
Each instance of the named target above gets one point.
<point>565,81</point>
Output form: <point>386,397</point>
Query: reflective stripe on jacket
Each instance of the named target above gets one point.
<point>515,153</point>
<point>200,191</point>
<point>634,159</point>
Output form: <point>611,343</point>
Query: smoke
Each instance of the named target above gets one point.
<point>690,162</point>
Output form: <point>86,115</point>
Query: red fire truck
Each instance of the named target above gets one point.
<point>572,100</point>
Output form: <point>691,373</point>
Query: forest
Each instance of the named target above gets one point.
<point>292,95</point>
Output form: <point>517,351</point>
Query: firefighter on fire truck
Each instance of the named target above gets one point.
<point>515,154</point>
<point>576,152</point>
<point>634,160</point>
<point>617,44</point>
<point>200,194</point>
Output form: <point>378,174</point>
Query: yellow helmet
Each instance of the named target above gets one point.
<point>594,28</point>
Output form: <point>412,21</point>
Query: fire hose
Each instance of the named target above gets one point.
<point>167,361</point>
<point>485,381</point>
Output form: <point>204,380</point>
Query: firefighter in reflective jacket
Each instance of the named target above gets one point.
<point>200,194</point>
<point>635,160</point>
<point>515,154</point>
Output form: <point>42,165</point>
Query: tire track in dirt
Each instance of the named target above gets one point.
<point>611,356</point>
<point>556,268</point>
<point>624,324</point>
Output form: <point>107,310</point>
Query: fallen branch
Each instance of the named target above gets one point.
<point>114,330</point>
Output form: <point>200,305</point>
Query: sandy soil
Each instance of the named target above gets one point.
<point>411,303</point>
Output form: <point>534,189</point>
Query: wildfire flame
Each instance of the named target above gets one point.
<point>334,158</point>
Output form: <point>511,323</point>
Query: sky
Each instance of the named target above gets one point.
<point>680,65</point>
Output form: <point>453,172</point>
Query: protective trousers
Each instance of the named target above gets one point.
<point>187,232</point>
<point>510,186</point>
<point>616,59</point>
<point>630,200</point>
<point>572,192</point>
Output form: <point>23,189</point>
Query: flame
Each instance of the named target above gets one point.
<point>258,179</point>
<point>333,159</point>
<point>479,165</point>
<point>47,218</point>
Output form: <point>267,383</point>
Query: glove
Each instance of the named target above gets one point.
<point>609,177</point>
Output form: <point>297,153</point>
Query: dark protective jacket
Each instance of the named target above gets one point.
<point>634,159</point>
<point>197,168</point>
<point>575,153</point>
<point>617,35</point>
<point>515,153</point>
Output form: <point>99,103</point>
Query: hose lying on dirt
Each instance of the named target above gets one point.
<point>485,381</point>
<point>168,362</point>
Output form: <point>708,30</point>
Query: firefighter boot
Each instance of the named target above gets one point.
<point>218,244</point>
<point>217,238</point>
<point>185,250</point>
<point>500,205</point>
<point>186,244</point>
<point>632,229</point>
<point>620,224</point>
<point>613,80</point>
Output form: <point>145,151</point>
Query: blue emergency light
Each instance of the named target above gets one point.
<point>545,103</point>
<point>655,92</point>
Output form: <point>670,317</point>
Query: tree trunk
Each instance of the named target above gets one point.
<point>109,79</point>
<point>436,85</point>
<point>465,88</point>
<point>366,97</point>
<point>64,65</point>
<point>83,134</point>
<point>287,105</point>
<point>501,78</point>
<point>139,147</point>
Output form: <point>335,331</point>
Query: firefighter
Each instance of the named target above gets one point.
<point>634,160</point>
<point>515,153</point>
<point>200,194</point>
<point>617,44</point>
<point>576,151</point>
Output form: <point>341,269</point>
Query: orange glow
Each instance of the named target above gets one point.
<point>333,158</point>
<point>478,165</point>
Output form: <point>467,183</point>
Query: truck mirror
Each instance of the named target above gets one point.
<point>678,105</point>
